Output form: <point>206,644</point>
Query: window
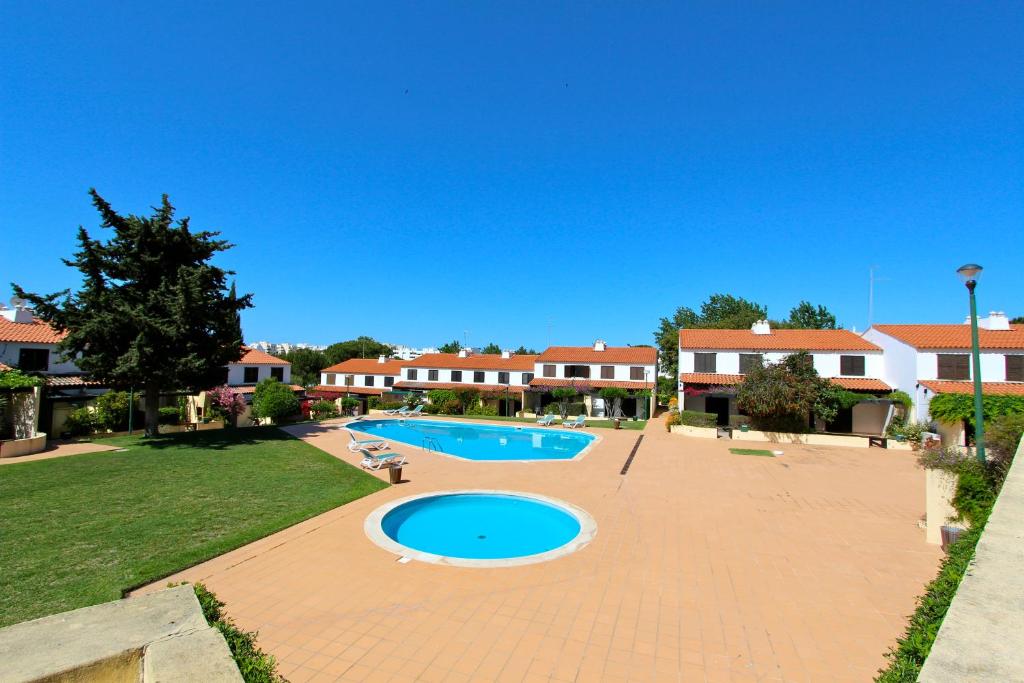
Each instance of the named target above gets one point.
<point>456,375</point>
<point>277,373</point>
<point>705,362</point>
<point>577,371</point>
<point>1015,368</point>
<point>852,366</point>
<point>478,377</point>
<point>432,375</point>
<point>410,374</point>
<point>636,373</point>
<point>527,378</point>
<point>350,380</point>
<point>549,370</point>
<point>503,378</point>
<point>251,375</point>
<point>953,366</point>
<point>332,379</point>
<point>34,359</point>
<point>368,381</point>
<point>749,361</point>
<point>389,381</point>
<point>607,372</point>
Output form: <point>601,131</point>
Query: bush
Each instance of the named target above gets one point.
<point>482,410</point>
<point>441,396</point>
<point>693,418</point>
<point>377,403</point>
<point>975,493</point>
<point>786,424</point>
<point>80,422</point>
<point>672,419</point>
<point>1002,437</point>
<point>450,407</point>
<point>112,411</point>
<point>255,665</point>
<point>322,410</point>
<point>570,409</point>
<point>737,421</point>
<point>169,416</point>
<point>274,400</point>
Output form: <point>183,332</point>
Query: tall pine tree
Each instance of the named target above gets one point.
<point>153,312</point>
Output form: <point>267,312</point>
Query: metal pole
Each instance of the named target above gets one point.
<point>131,409</point>
<point>979,420</point>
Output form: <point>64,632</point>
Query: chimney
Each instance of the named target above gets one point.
<point>465,352</point>
<point>18,314</point>
<point>996,320</point>
<point>599,345</point>
<point>506,354</point>
<point>761,327</point>
<point>382,359</point>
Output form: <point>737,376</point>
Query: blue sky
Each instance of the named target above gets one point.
<point>412,171</point>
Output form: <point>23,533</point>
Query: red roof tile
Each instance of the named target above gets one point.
<point>861,383</point>
<point>954,336</point>
<point>455,386</point>
<point>257,357</point>
<point>540,382</point>
<point>942,386</point>
<point>336,391</point>
<point>636,355</point>
<point>852,383</point>
<point>710,378</point>
<point>35,332</point>
<point>778,340</point>
<point>70,381</point>
<point>476,361</point>
<point>367,366</point>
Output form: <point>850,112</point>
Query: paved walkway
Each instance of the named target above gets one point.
<point>707,566</point>
<point>60,449</point>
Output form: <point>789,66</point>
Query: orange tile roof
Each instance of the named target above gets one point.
<point>338,390</point>
<point>637,355</point>
<point>455,386</point>
<point>954,336</point>
<point>540,382</point>
<point>257,357</point>
<point>367,366</point>
<point>852,383</point>
<point>476,361</point>
<point>35,332</point>
<point>945,386</point>
<point>70,381</point>
<point>778,340</point>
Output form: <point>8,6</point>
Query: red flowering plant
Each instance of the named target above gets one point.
<point>225,402</point>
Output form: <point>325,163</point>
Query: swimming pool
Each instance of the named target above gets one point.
<point>483,441</point>
<point>480,528</point>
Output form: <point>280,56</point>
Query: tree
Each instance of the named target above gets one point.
<point>781,396</point>
<point>274,400</point>
<point>564,395</point>
<point>306,365</point>
<point>523,351</point>
<point>451,347</point>
<point>720,311</point>
<point>806,316</point>
<point>360,347</point>
<point>613,400</point>
<point>491,348</point>
<point>1019,320</point>
<point>153,312</point>
<point>224,401</point>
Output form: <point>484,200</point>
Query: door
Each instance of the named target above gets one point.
<point>719,405</point>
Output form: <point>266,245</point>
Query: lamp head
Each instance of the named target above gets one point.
<point>969,272</point>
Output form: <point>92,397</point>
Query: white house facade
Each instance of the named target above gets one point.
<point>255,366</point>
<point>360,376</point>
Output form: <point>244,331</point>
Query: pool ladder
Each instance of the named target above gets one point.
<point>430,444</point>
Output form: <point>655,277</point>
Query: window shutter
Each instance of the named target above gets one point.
<point>1015,368</point>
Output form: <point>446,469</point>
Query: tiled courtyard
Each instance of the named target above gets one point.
<point>707,566</point>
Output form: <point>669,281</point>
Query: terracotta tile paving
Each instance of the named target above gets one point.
<point>707,566</point>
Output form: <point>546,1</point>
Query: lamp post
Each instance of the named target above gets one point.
<point>969,273</point>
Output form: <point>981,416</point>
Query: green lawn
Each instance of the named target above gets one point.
<point>80,530</point>
<point>751,451</point>
<point>626,424</point>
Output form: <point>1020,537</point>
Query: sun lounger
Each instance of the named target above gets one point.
<point>580,421</point>
<point>413,413</point>
<point>546,421</point>
<point>355,445</point>
<point>375,461</point>
<point>397,411</point>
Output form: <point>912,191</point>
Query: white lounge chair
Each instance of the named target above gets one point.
<point>416,412</point>
<point>546,421</point>
<point>355,445</point>
<point>397,411</point>
<point>375,461</point>
<point>580,421</point>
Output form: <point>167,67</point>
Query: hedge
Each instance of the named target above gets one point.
<point>255,665</point>
<point>693,418</point>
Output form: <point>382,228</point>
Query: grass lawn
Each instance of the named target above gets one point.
<point>80,530</point>
<point>751,451</point>
<point>626,424</point>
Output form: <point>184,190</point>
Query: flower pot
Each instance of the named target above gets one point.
<point>618,423</point>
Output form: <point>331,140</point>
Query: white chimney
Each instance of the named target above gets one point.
<point>967,320</point>
<point>465,352</point>
<point>599,345</point>
<point>382,359</point>
<point>17,315</point>
<point>761,327</point>
<point>996,320</point>
<point>506,354</point>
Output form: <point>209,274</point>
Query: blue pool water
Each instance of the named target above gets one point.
<point>480,525</point>
<point>481,442</point>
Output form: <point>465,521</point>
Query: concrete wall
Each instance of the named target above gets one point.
<point>515,377</point>
<point>10,352</point>
<point>358,380</point>
<point>899,368</point>
<point>622,371</point>
<point>827,363</point>
<point>236,373</point>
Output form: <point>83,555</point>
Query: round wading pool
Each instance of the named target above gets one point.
<point>480,528</point>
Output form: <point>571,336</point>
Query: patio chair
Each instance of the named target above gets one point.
<point>413,413</point>
<point>397,411</point>
<point>355,445</point>
<point>546,421</point>
<point>375,461</point>
<point>580,421</point>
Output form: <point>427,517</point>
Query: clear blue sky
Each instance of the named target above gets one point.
<point>413,171</point>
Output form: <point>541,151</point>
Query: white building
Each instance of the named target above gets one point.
<point>360,377</point>
<point>402,352</point>
<point>504,378</point>
<point>29,344</point>
<point>712,361</point>
<point>255,366</point>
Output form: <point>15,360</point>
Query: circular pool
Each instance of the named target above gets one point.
<point>480,528</point>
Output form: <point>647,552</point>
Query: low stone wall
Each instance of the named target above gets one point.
<point>699,432</point>
<point>15,447</point>
<point>982,635</point>
<point>810,439</point>
<point>939,487</point>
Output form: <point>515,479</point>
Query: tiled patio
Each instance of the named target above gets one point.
<point>707,566</point>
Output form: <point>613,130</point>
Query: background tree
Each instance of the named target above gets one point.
<point>523,351</point>
<point>1019,320</point>
<point>491,348</point>
<point>306,365</point>
<point>807,316</point>
<point>781,396</point>
<point>564,395</point>
<point>613,400</point>
<point>153,312</point>
<point>720,311</point>
<point>360,347</point>
<point>451,347</point>
<point>274,400</point>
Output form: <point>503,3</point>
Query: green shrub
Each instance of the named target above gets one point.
<point>693,418</point>
<point>169,416</point>
<point>482,410</point>
<point>16,379</point>
<point>672,419</point>
<point>255,665</point>
<point>80,422</point>
<point>441,396</point>
<point>738,421</point>
<point>786,424</point>
<point>274,400</point>
<point>322,410</point>
<point>432,409</point>
<point>112,411</point>
<point>570,409</point>
<point>377,403</point>
<point>1002,436</point>
<point>953,408</point>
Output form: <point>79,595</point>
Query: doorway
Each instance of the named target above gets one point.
<point>719,405</point>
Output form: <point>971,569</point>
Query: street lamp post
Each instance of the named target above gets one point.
<point>969,273</point>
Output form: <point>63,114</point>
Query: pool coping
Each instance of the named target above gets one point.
<point>597,438</point>
<point>375,532</point>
